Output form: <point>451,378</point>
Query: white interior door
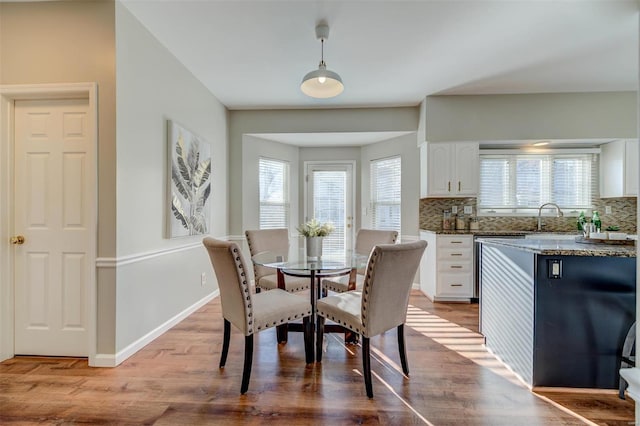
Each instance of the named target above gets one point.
<point>330,198</point>
<point>53,149</point>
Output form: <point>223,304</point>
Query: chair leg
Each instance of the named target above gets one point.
<point>308,340</point>
<point>621,388</point>
<point>248,360</point>
<point>319,337</point>
<point>402,349</point>
<point>225,343</point>
<point>366,366</point>
<point>282,331</point>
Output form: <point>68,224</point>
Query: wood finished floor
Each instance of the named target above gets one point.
<point>175,380</point>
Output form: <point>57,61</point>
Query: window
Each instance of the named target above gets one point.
<point>385,194</point>
<point>517,184</point>
<point>329,202</point>
<point>274,193</point>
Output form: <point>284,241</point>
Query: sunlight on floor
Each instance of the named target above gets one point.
<point>458,339</point>
<point>467,344</point>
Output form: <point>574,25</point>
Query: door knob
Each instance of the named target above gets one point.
<point>18,239</point>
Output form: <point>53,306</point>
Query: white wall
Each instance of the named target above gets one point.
<point>157,278</point>
<point>405,147</point>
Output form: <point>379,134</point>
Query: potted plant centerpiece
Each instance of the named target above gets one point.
<point>314,232</point>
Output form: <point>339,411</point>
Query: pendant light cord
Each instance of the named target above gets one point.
<point>322,51</point>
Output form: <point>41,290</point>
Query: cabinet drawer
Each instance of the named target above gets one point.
<point>454,267</point>
<point>452,284</point>
<point>450,241</point>
<point>455,254</point>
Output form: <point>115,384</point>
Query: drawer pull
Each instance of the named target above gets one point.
<point>456,242</point>
<point>456,285</point>
<point>456,254</point>
<point>456,267</point>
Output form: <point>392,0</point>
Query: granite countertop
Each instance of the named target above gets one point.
<point>552,247</point>
<point>506,233</point>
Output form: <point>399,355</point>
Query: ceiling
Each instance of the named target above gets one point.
<point>253,54</point>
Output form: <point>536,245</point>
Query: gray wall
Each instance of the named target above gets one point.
<point>405,147</point>
<point>48,42</point>
<point>254,148</point>
<point>153,87</point>
<point>71,42</point>
<point>529,116</point>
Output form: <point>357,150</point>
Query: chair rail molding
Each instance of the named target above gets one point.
<point>116,262</point>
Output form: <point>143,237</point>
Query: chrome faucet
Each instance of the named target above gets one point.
<point>558,211</point>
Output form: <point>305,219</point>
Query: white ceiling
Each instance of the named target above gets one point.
<point>253,54</point>
<point>330,139</point>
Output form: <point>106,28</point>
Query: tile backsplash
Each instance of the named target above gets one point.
<point>623,214</point>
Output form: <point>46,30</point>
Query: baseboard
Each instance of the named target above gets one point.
<point>113,360</point>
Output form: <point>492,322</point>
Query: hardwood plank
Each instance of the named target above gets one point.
<point>176,380</point>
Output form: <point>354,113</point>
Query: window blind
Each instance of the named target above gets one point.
<point>274,193</point>
<point>329,200</point>
<point>386,193</point>
<point>520,183</point>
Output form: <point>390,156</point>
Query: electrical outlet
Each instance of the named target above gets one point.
<point>203,279</point>
<point>468,209</point>
<point>607,209</point>
<point>454,209</point>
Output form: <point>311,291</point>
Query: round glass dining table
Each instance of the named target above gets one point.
<point>295,262</point>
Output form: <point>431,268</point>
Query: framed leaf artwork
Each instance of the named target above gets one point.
<point>189,182</point>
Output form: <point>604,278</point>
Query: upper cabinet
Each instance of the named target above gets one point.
<point>619,169</point>
<point>449,169</point>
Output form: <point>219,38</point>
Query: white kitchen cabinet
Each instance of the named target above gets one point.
<point>449,169</point>
<point>446,269</point>
<point>619,169</point>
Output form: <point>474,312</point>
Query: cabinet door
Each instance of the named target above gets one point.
<point>428,265</point>
<point>439,169</point>
<point>455,285</point>
<point>467,173</point>
<point>631,168</point>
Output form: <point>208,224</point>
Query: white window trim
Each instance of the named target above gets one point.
<point>523,212</point>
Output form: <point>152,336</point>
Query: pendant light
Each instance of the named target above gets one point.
<point>322,83</point>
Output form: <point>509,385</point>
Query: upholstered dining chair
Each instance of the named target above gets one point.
<point>252,313</point>
<point>366,239</point>
<point>260,240</point>
<point>380,306</point>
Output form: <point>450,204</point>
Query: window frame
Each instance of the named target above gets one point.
<point>373,202</point>
<point>548,157</point>
<point>286,191</point>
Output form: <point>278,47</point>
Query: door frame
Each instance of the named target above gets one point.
<point>8,95</point>
<point>354,197</point>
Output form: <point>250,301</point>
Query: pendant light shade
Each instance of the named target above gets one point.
<point>322,83</point>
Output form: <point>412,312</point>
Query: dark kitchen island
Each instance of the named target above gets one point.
<point>557,311</point>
